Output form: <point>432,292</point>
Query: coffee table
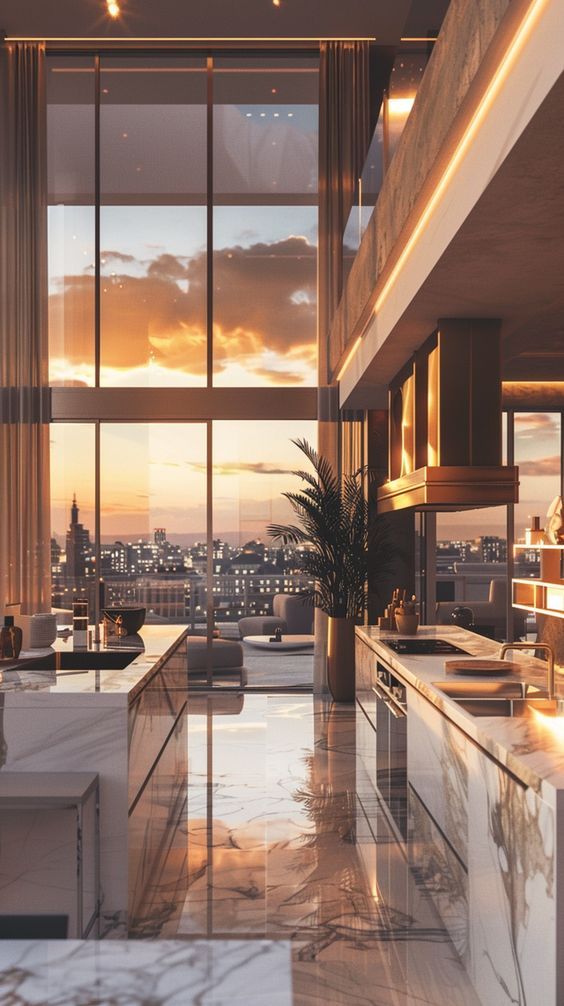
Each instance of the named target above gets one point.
<point>288,642</point>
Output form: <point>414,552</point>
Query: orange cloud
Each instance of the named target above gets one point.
<point>537,422</point>
<point>542,466</point>
<point>264,302</point>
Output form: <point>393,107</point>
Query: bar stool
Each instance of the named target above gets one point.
<point>66,791</point>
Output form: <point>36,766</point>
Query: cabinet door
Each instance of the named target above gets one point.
<point>511,888</point>
<point>437,764</point>
<point>365,676</point>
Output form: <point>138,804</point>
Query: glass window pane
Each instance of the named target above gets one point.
<point>153,221</point>
<point>70,167</point>
<point>472,567</point>
<point>265,295</point>
<point>537,453</point>
<point>265,127</point>
<point>72,513</point>
<point>153,519</point>
<point>253,465</point>
<point>265,221</point>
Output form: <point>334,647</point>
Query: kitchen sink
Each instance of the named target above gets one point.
<point>513,707</point>
<point>501,698</point>
<point>77,660</point>
<point>490,689</point>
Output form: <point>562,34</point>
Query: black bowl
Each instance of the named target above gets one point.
<point>131,618</point>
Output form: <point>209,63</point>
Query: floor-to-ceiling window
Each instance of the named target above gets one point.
<point>264,221</point>
<point>182,279</point>
<point>478,552</point>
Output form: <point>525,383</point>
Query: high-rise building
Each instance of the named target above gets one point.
<point>77,546</point>
<point>494,548</point>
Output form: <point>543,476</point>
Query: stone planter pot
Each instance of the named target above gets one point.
<point>340,659</point>
<point>407,625</point>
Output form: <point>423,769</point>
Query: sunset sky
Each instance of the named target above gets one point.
<point>154,296</point>
<point>153,475</point>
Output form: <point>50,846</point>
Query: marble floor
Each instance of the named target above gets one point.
<point>279,670</point>
<point>288,842</point>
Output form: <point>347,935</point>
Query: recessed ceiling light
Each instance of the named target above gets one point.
<point>113,8</point>
<point>276,3</point>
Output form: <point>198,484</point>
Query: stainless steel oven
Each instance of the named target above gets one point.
<point>391,744</point>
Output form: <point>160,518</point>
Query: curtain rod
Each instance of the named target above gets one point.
<point>203,40</point>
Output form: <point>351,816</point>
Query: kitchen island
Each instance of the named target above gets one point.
<point>127,725</point>
<point>139,973</point>
<point>478,801</point>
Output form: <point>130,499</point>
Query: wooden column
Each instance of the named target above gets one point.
<point>400,525</point>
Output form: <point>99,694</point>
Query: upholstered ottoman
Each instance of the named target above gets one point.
<point>261,625</point>
<point>227,658</point>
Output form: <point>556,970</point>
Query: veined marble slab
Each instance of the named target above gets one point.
<point>126,725</point>
<point>135,973</point>
<point>112,687</point>
<point>527,746</point>
<point>493,792</point>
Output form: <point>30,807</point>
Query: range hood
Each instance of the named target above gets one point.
<point>444,424</point>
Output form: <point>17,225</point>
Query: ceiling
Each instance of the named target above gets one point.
<point>384,19</point>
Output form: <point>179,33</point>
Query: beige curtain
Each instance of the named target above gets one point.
<point>344,135</point>
<point>24,411</point>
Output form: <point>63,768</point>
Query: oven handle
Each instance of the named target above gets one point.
<point>389,701</point>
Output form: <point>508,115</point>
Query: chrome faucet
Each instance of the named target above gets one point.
<point>550,683</point>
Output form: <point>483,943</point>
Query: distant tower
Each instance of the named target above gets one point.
<point>74,510</point>
<point>160,535</point>
<point>77,545</point>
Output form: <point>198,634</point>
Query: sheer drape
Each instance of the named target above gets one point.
<point>344,135</point>
<point>24,416</point>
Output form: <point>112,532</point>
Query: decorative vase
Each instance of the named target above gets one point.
<point>10,639</point>
<point>340,658</point>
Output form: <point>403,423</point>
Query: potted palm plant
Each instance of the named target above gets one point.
<point>334,527</point>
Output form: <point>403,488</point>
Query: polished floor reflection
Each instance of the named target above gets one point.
<point>286,840</point>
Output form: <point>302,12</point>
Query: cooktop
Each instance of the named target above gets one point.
<point>423,647</point>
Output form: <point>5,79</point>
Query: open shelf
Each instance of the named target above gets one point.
<point>541,596</point>
<point>521,545</point>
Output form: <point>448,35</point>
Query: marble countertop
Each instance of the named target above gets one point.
<point>532,748</point>
<point>136,973</point>
<point>111,686</point>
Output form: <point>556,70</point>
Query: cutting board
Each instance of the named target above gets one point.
<point>482,666</point>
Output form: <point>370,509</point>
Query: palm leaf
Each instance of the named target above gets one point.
<point>333,518</point>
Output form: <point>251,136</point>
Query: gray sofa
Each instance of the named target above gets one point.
<point>291,613</point>
<point>491,612</point>
<point>226,659</point>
